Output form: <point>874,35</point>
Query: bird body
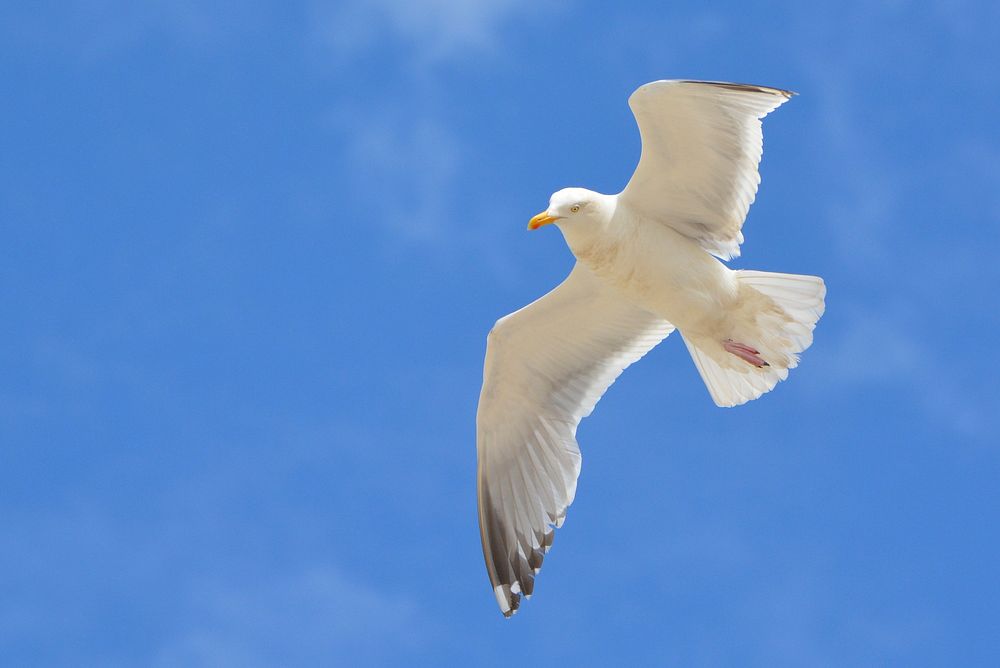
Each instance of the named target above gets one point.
<point>653,265</point>
<point>648,262</point>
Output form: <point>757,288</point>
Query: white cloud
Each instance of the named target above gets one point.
<point>877,346</point>
<point>885,349</point>
<point>861,210</point>
<point>644,43</point>
<point>92,30</point>
<point>219,609</point>
<point>404,159</point>
<point>312,617</point>
<point>403,168</point>
<point>790,611</point>
<point>433,30</point>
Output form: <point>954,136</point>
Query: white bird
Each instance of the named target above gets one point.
<point>644,266</point>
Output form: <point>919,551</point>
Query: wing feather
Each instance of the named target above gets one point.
<point>546,367</point>
<point>701,147</point>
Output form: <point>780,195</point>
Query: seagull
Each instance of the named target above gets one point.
<point>648,261</point>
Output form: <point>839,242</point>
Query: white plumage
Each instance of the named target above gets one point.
<point>645,266</point>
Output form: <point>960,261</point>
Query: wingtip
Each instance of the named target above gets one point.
<point>787,94</point>
<point>508,601</point>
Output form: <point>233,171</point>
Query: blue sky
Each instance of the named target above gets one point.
<point>250,253</point>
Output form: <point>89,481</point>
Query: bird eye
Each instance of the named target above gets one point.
<point>574,208</point>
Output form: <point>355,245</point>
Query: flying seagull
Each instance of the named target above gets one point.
<point>647,262</point>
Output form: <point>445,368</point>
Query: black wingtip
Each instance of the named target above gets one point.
<point>749,88</point>
<point>514,602</point>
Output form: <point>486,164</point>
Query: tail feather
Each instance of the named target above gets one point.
<point>800,296</point>
<point>777,315</point>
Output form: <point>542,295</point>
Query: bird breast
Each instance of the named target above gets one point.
<point>657,268</point>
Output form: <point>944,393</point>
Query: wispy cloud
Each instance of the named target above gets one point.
<point>875,347</point>
<point>903,261</point>
<point>645,43</point>
<point>793,626</point>
<point>404,157</point>
<point>303,618</point>
<point>864,211</point>
<point>403,169</point>
<point>207,600</point>
<point>431,30</point>
<point>95,30</point>
<point>886,348</point>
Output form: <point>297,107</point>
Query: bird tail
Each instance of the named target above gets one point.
<point>775,317</point>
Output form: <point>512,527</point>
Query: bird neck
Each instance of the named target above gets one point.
<point>582,235</point>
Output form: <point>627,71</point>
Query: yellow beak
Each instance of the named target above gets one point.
<point>542,219</point>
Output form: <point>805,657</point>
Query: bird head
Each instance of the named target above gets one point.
<point>570,206</point>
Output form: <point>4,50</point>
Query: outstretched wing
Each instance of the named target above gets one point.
<point>701,145</point>
<point>546,367</point>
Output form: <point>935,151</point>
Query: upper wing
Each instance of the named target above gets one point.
<point>546,367</point>
<point>701,144</point>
